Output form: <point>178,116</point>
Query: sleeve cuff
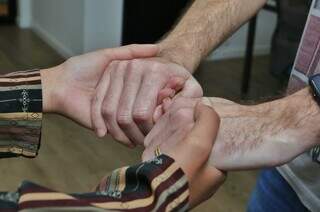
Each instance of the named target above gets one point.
<point>20,114</point>
<point>160,181</point>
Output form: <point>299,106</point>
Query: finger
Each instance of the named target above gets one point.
<point>158,113</point>
<point>199,141</point>
<point>191,89</point>
<point>174,85</point>
<point>132,51</point>
<point>162,109</point>
<point>111,102</point>
<point>164,93</point>
<point>207,124</point>
<point>98,123</point>
<point>125,120</point>
<point>146,101</point>
<point>167,102</point>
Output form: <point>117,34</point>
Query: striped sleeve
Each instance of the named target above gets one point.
<point>157,185</point>
<point>20,113</point>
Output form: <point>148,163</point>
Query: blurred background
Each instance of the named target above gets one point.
<point>253,65</point>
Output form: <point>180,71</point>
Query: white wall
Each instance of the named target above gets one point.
<point>60,23</point>
<point>76,26</point>
<point>24,13</point>
<point>236,45</point>
<point>102,24</point>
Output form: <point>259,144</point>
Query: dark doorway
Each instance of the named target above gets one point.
<point>147,21</point>
<point>8,11</point>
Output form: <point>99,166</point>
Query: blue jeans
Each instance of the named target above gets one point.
<point>272,194</point>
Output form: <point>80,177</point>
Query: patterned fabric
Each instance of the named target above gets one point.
<point>157,185</point>
<point>20,114</point>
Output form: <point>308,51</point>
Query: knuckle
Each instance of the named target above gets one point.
<point>124,119</point>
<point>122,65</point>
<point>141,116</point>
<point>156,66</point>
<point>133,66</point>
<point>108,112</point>
<point>114,64</point>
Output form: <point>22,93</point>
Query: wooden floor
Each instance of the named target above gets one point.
<point>71,158</point>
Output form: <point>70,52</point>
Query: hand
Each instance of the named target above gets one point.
<point>69,88</point>
<point>187,135</point>
<point>129,92</point>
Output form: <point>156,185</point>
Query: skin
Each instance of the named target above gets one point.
<point>265,135</point>
<point>189,131</point>
<point>139,84</point>
<point>248,138</point>
<point>205,25</point>
<point>131,97</point>
<point>154,79</point>
<point>69,88</point>
<point>254,136</point>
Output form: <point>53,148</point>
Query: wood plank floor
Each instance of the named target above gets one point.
<point>71,158</point>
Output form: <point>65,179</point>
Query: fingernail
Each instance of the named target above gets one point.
<point>100,132</point>
<point>166,100</point>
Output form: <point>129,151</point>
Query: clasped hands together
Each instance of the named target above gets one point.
<point>140,98</point>
<point>129,93</point>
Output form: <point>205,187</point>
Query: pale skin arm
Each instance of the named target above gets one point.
<point>265,135</point>
<point>204,26</point>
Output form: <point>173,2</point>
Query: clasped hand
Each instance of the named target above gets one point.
<point>123,91</point>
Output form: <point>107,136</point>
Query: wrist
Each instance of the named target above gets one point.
<point>177,53</point>
<point>306,114</point>
<point>49,81</point>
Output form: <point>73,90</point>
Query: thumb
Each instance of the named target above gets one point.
<point>132,51</point>
<point>206,125</point>
<point>200,140</point>
<point>192,89</point>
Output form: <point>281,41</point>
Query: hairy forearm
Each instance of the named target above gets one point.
<point>267,134</point>
<point>205,25</point>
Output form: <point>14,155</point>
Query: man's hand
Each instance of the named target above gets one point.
<point>187,135</point>
<point>129,92</point>
<point>69,89</point>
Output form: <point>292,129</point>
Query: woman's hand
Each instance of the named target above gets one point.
<point>70,88</point>
<point>187,133</point>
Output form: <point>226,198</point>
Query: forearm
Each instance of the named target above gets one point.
<point>270,134</point>
<point>205,25</point>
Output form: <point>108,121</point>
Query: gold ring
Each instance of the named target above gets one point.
<point>157,151</point>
